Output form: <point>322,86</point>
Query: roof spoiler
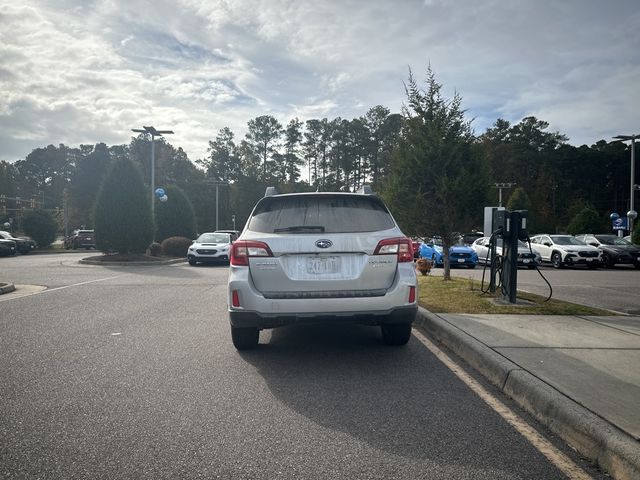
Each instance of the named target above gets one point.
<point>271,191</point>
<point>366,190</point>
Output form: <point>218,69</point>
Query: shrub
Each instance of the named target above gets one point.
<point>41,226</point>
<point>586,221</point>
<point>176,246</point>
<point>155,249</point>
<point>123,221</point>
<point>175,217</point>
<point>635,237</point>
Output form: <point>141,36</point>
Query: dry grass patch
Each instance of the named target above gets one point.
<point>465,296</point>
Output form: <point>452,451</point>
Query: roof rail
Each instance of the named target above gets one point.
<point>270,191</point>
<point>366,190</point>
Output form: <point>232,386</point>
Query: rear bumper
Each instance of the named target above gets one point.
<point>256,310</point>
<point>254,319</point>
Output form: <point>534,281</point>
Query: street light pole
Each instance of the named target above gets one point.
<point>217,184</point>
<point>631,215</point>
<point>154,133</point>
<point>500,187</point>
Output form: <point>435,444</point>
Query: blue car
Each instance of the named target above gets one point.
<point>458,255</point>
<point>432,252</point>
<point>463,255</point>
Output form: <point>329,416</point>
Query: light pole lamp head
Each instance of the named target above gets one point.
<point>632,214</point>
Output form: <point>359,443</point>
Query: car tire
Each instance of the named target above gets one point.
<point>396,333</point>
<point>245,338</point>
<point>637,265</point>
<point>556,260</point>
<point>472,266</point>
<point>192,262</point>
<point>607,261</point>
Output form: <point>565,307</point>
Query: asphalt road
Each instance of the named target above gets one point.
<point>129,372</point>
<point>615,289</point>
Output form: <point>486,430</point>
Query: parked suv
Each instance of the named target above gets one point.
<point>614,249</point>
<point>80,239</point>
<point>321,257</point>
<point>563,250</point>
<point>210,247</point>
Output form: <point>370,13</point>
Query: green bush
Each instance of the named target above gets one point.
<point>176,216</point>
<point>176,246</point>
<point>41,226</point>
<point>586,221</point>
<point>123,220</point>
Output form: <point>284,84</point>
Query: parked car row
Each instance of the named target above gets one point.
<point>462,255</point>
<point>13,245</point>
<point>591,251</point>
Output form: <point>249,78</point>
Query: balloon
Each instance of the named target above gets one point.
<point>164,198</point>
<point>160,192</point>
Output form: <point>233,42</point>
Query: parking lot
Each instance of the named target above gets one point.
<point>615,289</point>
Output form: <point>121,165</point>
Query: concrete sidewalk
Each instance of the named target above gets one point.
<point>580,376</point>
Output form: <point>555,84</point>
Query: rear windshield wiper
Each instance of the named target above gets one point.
<point>300,228</point>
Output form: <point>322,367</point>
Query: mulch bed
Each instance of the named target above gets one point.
<point>126,257</point>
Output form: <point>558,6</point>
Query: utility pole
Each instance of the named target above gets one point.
<point>154,133</point>
<point>631,214</point>
<point>500,187</point>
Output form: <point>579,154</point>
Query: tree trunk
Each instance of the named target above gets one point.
<point>446,263</point>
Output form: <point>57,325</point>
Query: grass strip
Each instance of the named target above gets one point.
<point>465,296</point>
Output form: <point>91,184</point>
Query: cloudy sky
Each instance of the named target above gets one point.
<point>87,71</point>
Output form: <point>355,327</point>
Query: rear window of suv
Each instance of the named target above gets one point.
<point>320,214</point>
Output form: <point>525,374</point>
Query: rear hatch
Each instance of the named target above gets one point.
<point>323,246</point>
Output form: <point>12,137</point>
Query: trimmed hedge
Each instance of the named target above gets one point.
<point>176,246</point>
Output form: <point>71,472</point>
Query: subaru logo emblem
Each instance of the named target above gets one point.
<point>324,243</point>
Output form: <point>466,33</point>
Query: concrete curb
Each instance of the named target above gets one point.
<point>593,437</point>
<point>88,261</point>
<point>6,288</point>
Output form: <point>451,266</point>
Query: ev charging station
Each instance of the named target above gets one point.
<point>510,227</point>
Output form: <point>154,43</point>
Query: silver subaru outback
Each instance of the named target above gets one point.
<point>321,257</point>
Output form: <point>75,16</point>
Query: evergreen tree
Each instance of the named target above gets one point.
<point>586,221</point>
<point>438,182</point>
<point>41,226</point>
<point>122,216</point>
<point>175,217</point>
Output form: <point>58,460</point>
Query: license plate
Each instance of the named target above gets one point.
<point>526,260</point>
<point>589,259</point>
<point>461,260</point>
<point>321,265</point>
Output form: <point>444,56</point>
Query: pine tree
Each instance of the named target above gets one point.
<point>438,182</point>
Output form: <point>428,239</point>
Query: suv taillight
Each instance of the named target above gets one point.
<point>241,250</point>
<point>400,246</point>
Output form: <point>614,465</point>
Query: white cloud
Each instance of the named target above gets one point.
<point>74,71</point>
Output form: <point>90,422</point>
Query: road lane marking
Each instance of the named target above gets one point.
<point>555,456</point>
<point>17,294</point>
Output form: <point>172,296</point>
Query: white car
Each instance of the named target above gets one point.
<point>210,247</point>
<point>525,257</point>
<point>564,250</point>
<point>319,258</point>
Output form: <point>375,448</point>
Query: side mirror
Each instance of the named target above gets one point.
<point>593,244</point>
<point>547,244</point>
